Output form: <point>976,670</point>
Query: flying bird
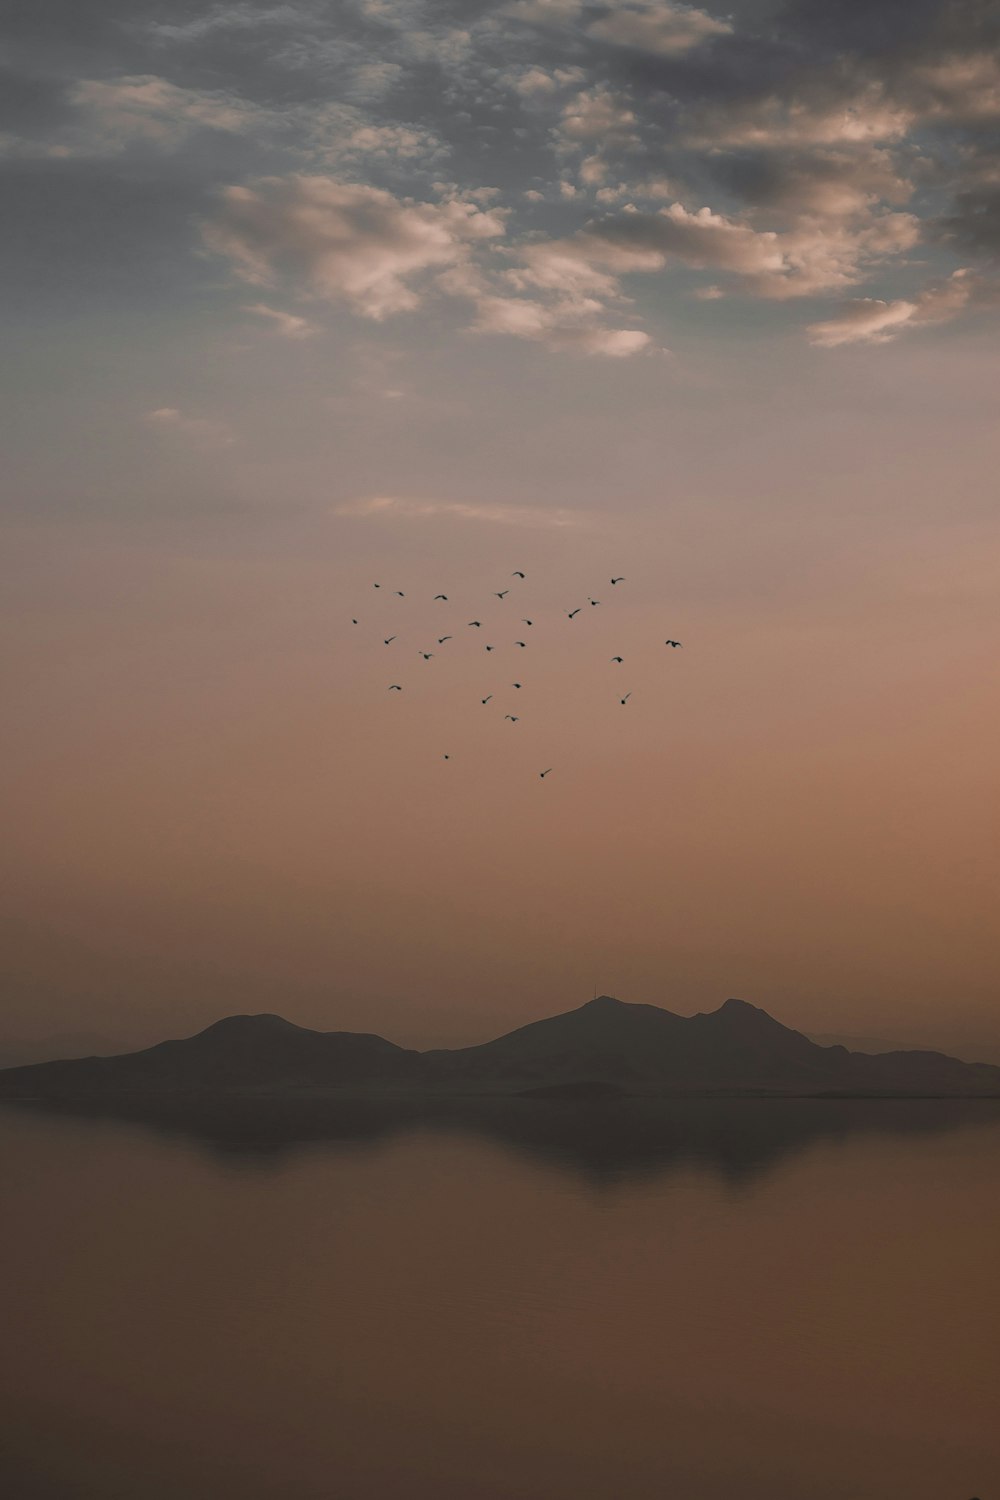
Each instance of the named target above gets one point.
<point>394,688</point>
<point>388,639</point>
<point>516,684</point>
<point>447,757</point>
<point>487,698</point>
<point>491,648</point>
<point>624,700</point>
<point>425,654</point>
<point>593,601</point>
<point>671,643</point>
<point>518,643</point>
<point>573,612</point>
<point>503,594</point>
<point>545,773</point>
<point>441,596</point>
<point>618,580</point>
<point>376,585</point>
<point>527,622</point>
<point>618,658</point>
<point>517,573</point>
<point>477,623</point>
<point>511,717</point>
<point>400,594</point>
<point>442,639</point>
<point>354,622</point>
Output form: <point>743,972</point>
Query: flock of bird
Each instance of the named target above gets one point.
<point>501,594</point>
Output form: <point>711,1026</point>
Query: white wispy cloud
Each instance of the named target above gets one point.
<point>289,325</point>
<point>203,432</point>
<point>528,516</point>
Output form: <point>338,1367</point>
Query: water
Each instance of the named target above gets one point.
<point>790,1300</point>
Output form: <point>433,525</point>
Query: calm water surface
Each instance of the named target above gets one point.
<point>797,1301</point>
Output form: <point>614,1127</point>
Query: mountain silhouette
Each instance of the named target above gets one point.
<point>600,1050</point>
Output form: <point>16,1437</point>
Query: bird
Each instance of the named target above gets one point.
<point>518,643</point>
<point>543,774</point>
<point>425,654</point>
<point>442,639</point>
<point>376,585</point>
<point>447,757</point>
<point>671,643</point>
<point>353,621</point>
<point>400,594</point>
<point>527,622</point>
<point>618,658</point>
<point>517,573</point>
<point>516,684</point>
<point>511,717</point>
<point>394,688</point>
<point>618,580</point>
<point>477,623</point>
<point>487,698</point>
<point>388,639</point>
<point>503,594</point>
<point>624,700</point>
<point>491,648</point>
<point>593,601</point>
<point>573,612</point>
<point>441,596</point>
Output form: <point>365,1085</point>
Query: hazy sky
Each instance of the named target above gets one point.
<point>304,296</point>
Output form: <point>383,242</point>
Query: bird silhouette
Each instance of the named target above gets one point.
<point>527,622</point>
<point>477,623</point>
<point>442,639</point>
<point>671,643</point>
<point>503,594</point>
<point>487,698</point>
<point>441,596</point>
<point>519,643</point>
<point>491,648</point>
<point>515,684</point>
<point>447,757</point>
<point>543,774</point>
<point>573,612</point>
<point>511,717</point>
<point>593,601</point>
<point>400,594</point>
<point>425,654</point>
<point>394,688</point>
<point>376,585</point>
<point>517,573</point>
<point>618,580</point>
<point>354,622</point>
<point>618,658</point>
<point>388,639</point>
<point>624,700</point>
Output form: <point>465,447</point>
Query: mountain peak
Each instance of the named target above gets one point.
<point>604,1002</point>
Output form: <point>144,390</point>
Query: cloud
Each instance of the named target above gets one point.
<point>661,29</point>
<point>811,256</point>
<point>345,241</point>
<point>201,431</point>
<point>867,320</point>
<point>531,517</point>
<point>853,116</point>
<point>151,110</point>
<point>289,325</point>
<point>595,115</point>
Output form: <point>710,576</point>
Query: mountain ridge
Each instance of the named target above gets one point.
<point>605,1047</point>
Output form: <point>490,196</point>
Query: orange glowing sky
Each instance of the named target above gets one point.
<point>224,432</point>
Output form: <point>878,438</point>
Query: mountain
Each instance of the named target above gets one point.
<point>599,1051</point>
<point>240,1052</point>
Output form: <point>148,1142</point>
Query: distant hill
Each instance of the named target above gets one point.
<point>603,1049</point>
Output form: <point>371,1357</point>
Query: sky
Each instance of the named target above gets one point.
<point>303,297</point>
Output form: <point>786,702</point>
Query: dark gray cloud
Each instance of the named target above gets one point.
<point>817,142</point>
